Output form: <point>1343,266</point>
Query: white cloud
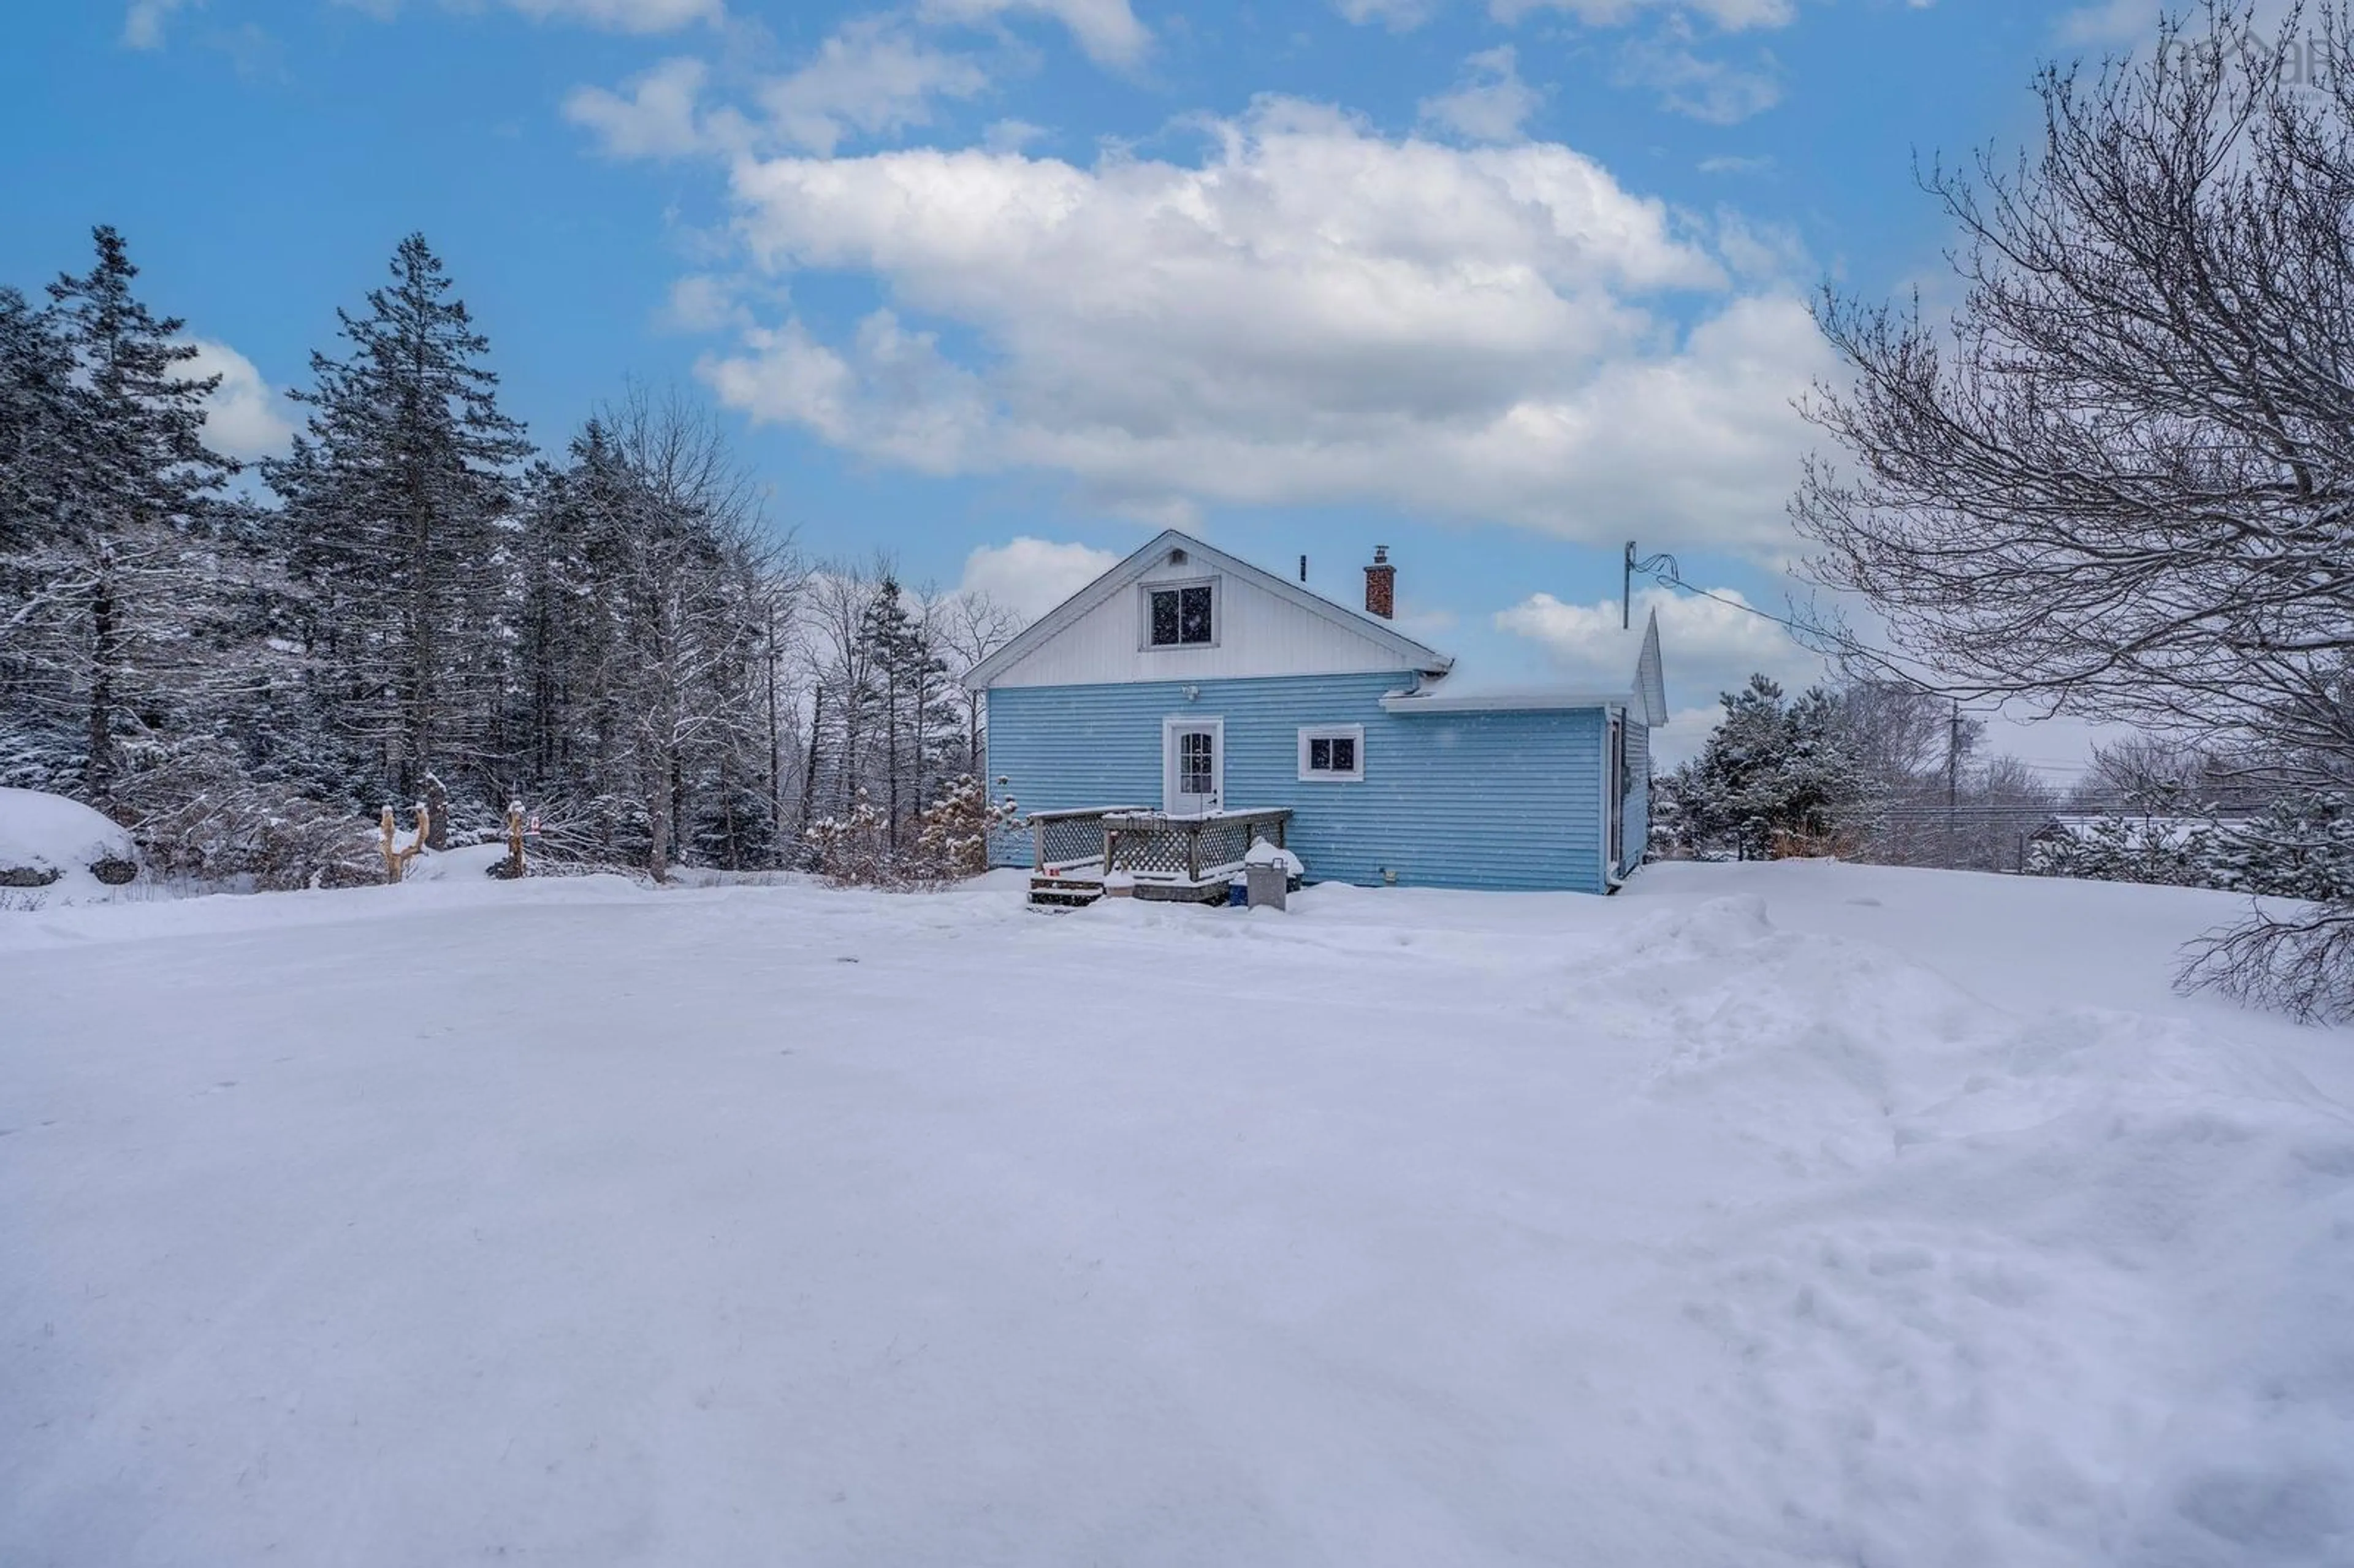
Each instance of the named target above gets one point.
<point>2110,22</point>
<point>1489,102</point>
<point>655,120</point>
<point>1031,575</point>
<point>143,25</point>
<point>243,417</point>
<point>2132,24</point>
<point>613,15</point>
<point>1397,16</point>
<point>1711,89</point>
<point>1706,645</point>
<point>873,76</point>
<point>703,303</point>
<point>1731,16</point>
<point>1011,135</point>
<point>1310,314</point>
<point>623,15</point>
<point>1107,29</point>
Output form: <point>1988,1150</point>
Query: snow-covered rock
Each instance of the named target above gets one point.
<point>55,851</point>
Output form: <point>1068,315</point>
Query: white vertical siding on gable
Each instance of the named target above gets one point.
<point>1638,799</point>
<point>1259,633</point>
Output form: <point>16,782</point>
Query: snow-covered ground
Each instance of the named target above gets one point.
<point>1766,1215</point>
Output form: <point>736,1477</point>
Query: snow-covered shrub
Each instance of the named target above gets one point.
<point>2299,846</point>
<point>854,849</point>
<point>2299,959</point>
<point>196,814</point>
<point>2167,851</point>
<point>947,842</point>
<point>952,834</point>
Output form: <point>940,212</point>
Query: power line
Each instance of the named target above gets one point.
<point>1664,569</point>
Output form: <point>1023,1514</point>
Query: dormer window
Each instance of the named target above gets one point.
<point>1181,615</point>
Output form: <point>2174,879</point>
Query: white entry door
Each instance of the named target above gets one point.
<point>1192,766</point>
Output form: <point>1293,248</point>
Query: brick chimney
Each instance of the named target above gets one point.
<point>1381,584</point>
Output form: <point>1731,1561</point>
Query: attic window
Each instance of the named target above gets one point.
<point>1182,615</point>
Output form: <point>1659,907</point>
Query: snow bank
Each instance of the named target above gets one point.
<point>1763,1215</point>
<point>2064,1289</point>
<point>52,850</point>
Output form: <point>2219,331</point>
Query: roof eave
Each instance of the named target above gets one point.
<point>1507,701</point>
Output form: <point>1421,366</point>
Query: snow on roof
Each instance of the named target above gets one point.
<point>1645,694</point>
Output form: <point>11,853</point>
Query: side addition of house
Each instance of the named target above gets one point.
<point>1189,701</point>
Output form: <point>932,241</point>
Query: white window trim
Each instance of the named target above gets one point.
<point>1355,732</point>
<point>1144,592</point>
<point>1169,728</point>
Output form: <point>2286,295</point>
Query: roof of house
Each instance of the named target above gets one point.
<point>1645,696</point>
<point>1411,654</point>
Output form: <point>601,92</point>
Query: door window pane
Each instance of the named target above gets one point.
<point>1194,762</point>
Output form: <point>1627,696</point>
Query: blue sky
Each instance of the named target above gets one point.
<point>1005,285</point>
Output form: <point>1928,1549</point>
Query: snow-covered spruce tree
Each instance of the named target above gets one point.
<point>393,502</point>
<point>2116,483</point>
<point>40,747</point>
<point>912,701</point>
<point>1772,779</point>
<point>647,593</point>
<point>2299,846</point>
<point>117,569</point>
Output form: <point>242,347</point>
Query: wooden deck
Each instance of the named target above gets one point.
<point>1156,855</point>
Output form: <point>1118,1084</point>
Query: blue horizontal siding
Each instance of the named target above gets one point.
<point>1507,799</point>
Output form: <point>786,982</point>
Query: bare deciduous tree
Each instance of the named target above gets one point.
<point>2118,481</point>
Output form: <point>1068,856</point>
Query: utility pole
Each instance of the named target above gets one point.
<point>1626,590</point>
<point>1952,781</point>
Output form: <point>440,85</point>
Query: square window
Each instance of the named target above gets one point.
<point>1183,617</point>
<point>1332,753</point>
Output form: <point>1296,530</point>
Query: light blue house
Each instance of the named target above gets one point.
<point>1187,702</point>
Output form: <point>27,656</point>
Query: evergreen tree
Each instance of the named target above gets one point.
<point>645,605</point>
<point>37,423</point>
<point>911,699</point>
<point>117,564</point>
<point>394,500</point>
<point>1772,776</point>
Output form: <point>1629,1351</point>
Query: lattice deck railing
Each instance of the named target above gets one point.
<point>1151,846</point>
